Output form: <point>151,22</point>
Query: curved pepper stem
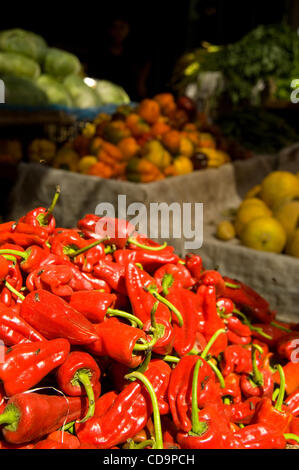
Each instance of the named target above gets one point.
<point>280,327</point>
<point>156,413</point>
<point>281,393</point>
<point>83,376</point>
<point>167,282</point>
<point>171,307</point>
<point>169,358</point>
<point>147,247</point>
<point>211,342</point>
<point>232,286</point>
<point>256,373</point>
<point>43,219</point>
<point>14,291</point>
<point>217,373</point>
<point>113,312</point>
<point>22,254</point>
<point>258,329</point>
<point>291,437</point>
<point>198,427</point>
<point>86,248</point>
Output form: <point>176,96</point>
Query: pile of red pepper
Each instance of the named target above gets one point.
<point>117,342</point>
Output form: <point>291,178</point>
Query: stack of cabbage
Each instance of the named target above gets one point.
<point>37,75</point>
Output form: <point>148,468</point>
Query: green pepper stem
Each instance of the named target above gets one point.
<point>86,248</point>
<point>83,376</point>
<point>218,373</point>
<point>147,247</point>
<point>280,327</point>
<point>171,307</point>
<point>275,394</point>
<point>281,393</point>
<point>211,342</point>
<point>258,329</point>
<point>22,254</point>
<point>10,417</point>
<point>68,426</point>
<point>14,291</point>
<point>232,286</point>
<point>143,444</point>
<point>153,314</point>
<point>10,258</point>
<point>291,437</point>
<point>147,345</point>
<point>256,373</point>
<point>167,282</point>
<point>169,358</point>
<point>198,427</point>
<point>113,312</point>
<point>43,219</point>
<point>156,413</point>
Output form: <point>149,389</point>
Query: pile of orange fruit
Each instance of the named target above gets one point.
<point>158,138</point>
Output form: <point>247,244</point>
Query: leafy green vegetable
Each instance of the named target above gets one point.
<point>109,93</point>
<point>22,91</point>
<point>24,43</point>
<point>16,64</point>
<point>61,63</point>
<point>82,95</point>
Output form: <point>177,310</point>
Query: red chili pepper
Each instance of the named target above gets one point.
<point>65,438</point>
<point>14,279</point>
<point>54,444</point>
<point>233,338</point>
<point>104,403</point>
<point>54,318</point>
<point>150,260</point>
<point>173,276</point>
<point>128,414</point>
<point>213,278</point>
<point>30,416</point>
<point>288,346</point>
<point>244,411</point>
<point>92,304</point>
<point>77,376</point>
<point>113,273</point>
<point>260,436</point>
<point>7,226</point>
<point>194,264</point>
<point>291,373</point>
<point>292,402</point>
<point>212,320</point>
<point>26,364</point>
<point>42,217</point>
<point>236,359</point>
<point>232,388</point>
<point>237,327</point>
<point>225,305</point>
<point>14,329</point>
<point>28,229</point>
<point>248,300</point>
<point>276,419</point>
<point>259,382</point>
<point>4,268</point>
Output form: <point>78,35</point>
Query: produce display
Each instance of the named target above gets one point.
<point>37,75</point>
<point>114,341</point>
<point>268,217</point>
<point>153,140</point>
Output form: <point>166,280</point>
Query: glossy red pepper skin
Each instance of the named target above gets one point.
<point>267,414</point>
<point>164,344</point>
<point>117,230</point>
<point>75,361</point>
<point>188,305</point>
<point>213,278</point>
<point>172,276</point>
<point>65,438</point>
<point>233,338</point>
<point>4,268</point>
<point>232,388</point>
<point>291,373</point>
<point>53,444</point>
<point>225,305</point>
<point>113,273</point>
<point>92,304</point>
<point>150,260</point>
<point>194,265</point>
<point>31,218</point>
<point>288,345</point>
<point>259,436</point>
<point>104,402</point>
<point>128,414</point>
<point>180,389</point>
<point>213,322</point>
<point>242,412</point>
<point>14,329</point>
<point>15,279</point>
<point>292,402</point>
<point>54,318</point>
<point>56,279</point>
<point>28,229</point>
<point>117,340</point>
<point>26,364</point>
<point>253,390</point>
<point>236,359</point>
<point>142,301</point>
<point>248,300</point>
<point>30,407</point>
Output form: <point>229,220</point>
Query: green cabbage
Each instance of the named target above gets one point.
<point>16,64</point>
<point>22,91</point>
<point>109,93</point>
<point>83,96</point>
<point>55,91</point>
<point>24,43</point>
<point>61,63</point>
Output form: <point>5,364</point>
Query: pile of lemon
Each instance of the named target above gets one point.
<point>268,217</point>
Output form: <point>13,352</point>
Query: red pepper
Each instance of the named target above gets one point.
<point>165,333</point>
<point>30,416</point>
<point>42,217</point>
<point>113,273</point>
<point>28,229</point>
<point>260,436</point>
<point>117,340</point>
<point>22,239</point>
<point>236,359</point>
<point>54,318</point>
<point>14,329</point>
<point>54,444</point>
<point>128,414</point>
<point>65,438</point>
<point>248,300</point>
<point>288,346</point>
<point>194,265</point>
<point>150,260</point>
<point>14,279</point>
<point>291,373</point>
<point>78,375</point>
<point>259,382</point>
<point>225,305</point>
<point>292,402</point>
<point>233,338</point>
<point>276,419</point>
<point>213,278</point>
<point>104,403</point>
<point>92,304</point>
<point>244,411</point>
<point>26,364</point>
<point>232,388</point>
<point>4,268</point>
<point>173,276</point>
<point>212,320</point>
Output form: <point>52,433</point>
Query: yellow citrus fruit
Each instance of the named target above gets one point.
<point>292,247</point>
<point>288,216</point>
<point>279,186</point>
<point>250,211</point>
<point>225,230</point>
<point>265,234</point>
<point>252,201</point>
<point>86,162</point>
<point>253,192</point>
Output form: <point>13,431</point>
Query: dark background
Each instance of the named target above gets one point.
<point>160,30</point>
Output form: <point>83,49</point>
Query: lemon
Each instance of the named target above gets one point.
<point>279,186</point>
<point>292,247</point>
<point>265,234</point>
<point>250,211</point>
<point>225,230</point>
<point>253,201</point>
<point>253,192</point>
<point>288,216</point>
